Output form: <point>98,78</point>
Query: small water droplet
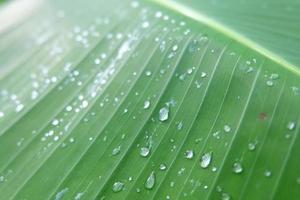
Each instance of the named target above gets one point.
<point>145,24</point>
<point>267,173</point>
<point>205,160</point>
<point>164,114</point>
<point>117,186</point>
<point>274,76</point>
<point>144,151</point>
<point>148,73</point>
<point>116,150</point>
<point>227,128</point>
<point>150,182</point>
<point>1,114</point>
<point>162,167</point>
<point>189,154</point>
<point>270,83</point>
<point>251,146</point>
<point>237,168</point>
<point>175,47</point>
<point>179,125</point>
<point>225,196</point>
<point>203,74</point>
<point>147,104</point>
<point>291,125</point>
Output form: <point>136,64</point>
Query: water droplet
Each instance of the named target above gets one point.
<point>144,151</point>
<point>145,24</point>
<point>274,76</point>
<point>84,104</point>
<point>164,114</point>
<point>146,104</point>
<point>251,146</point>
<point>175,47</point>
<point>68,108</point>
<point>55,122</point>
<point>267,173</point>
<point>205,160</point>
<point>227,128</point>
<point>189,154</point>
<point>150,182</point>
<point>203,74</point>
<point>117,186</point>
<point>270,83</point>
<point>1,114</point>
<point>148,73</point>
<point>162,167</point>
<point>179,125</point>
<point>97,61</point>
<point>225,196</point>
<point>19,107</point>
<point>291,125</point>
<point>116,150</point>
<point>237,168</point>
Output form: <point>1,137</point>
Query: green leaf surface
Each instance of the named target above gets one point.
<point>150,100</point>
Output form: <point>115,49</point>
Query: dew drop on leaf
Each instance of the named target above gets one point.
<point>251,146</point>
<point>227,128</point>
<point>117,186</point>
<point>189,154</point>
<point>162,167</point>
<point>144,151</point>
<point>225,196</point>
<point>203,74</point>
<point>1,114</point>
<point>267,173</point>
<point>291,125</point>
<point>148,73</point>
<point>175,47</point>
<point>270,83</point>
<point>150,182</point>
<point>205,160</point>
<point>146,104</point>
<point>116,151</point>
<point>237,168</point>
<point>163,114</point>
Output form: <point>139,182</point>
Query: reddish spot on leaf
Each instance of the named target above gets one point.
<point>262,116</point>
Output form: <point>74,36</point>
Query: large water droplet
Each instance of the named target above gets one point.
<point>164,114</point>
<point>237,168</point>
<point>144,151</point>
<point>205,160</point>
<point>117,186</point>
<point>150,182</point>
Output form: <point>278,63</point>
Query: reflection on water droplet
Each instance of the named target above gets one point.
<point>117,186</point>
<point>144,151</point>
<point>164,114</point>
<point>150,182</point>
<point>203,74</point>
<point>189,154</point>
<point>237,168</point>
<point>291,125</point>
<point>205,160</point>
